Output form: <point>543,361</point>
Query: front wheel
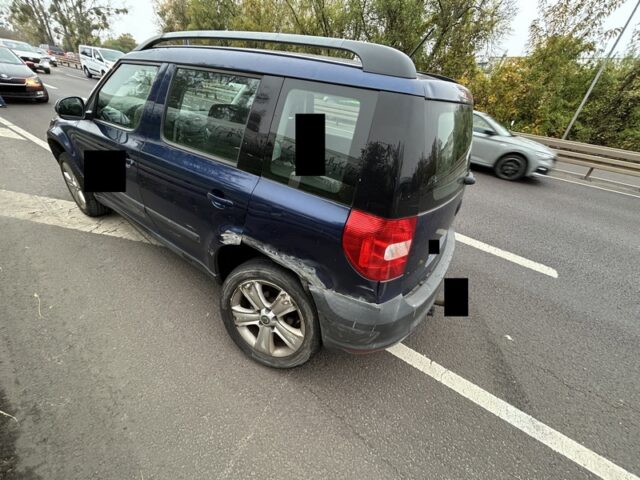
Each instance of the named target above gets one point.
<point>268,314</point>
<point>511,167</point>
<point>47,71</point>
<point>86,201</point>
<point>87,73</point>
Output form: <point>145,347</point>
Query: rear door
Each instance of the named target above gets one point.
<point>192,187</point>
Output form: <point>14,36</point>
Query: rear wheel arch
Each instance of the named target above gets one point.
<point>228,257</point>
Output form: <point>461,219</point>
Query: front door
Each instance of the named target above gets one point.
<point>114,124</point>
<point>189,180</point>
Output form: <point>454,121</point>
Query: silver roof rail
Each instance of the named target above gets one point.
<point>375,58</point>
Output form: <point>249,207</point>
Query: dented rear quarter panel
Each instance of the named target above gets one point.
<point>303,232</point>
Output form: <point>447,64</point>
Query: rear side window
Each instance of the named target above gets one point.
<point>208,111</point>
<point>122,98</point>
<point>348,115</point>
<point>85,51</point>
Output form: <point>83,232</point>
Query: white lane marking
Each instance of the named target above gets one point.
<point>50,86</point>
<point>65,214</point>
<point>594,186</point>
<point>25,134</point>
<point>5,132</point>
<point>537,430</point>
<point>74,76</point>
<point>512,257</point>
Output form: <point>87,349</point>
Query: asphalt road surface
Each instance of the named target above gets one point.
<point>114,363</point>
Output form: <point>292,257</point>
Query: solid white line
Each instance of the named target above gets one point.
<point>65,214</point>
<point>541,432</point>
<point>50,86</point>
<point>512,257</point>
<point>74,76</point>
<point>25,134</point>
<point>593,186</point>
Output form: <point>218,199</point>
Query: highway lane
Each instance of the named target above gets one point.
<point>115,371</point>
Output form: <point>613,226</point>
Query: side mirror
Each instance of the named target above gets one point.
<point>70,108</point>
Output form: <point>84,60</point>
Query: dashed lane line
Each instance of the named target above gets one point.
<point>512,257</point>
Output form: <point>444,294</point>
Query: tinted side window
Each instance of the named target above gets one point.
<point>208,111</point>
<point>85,51</point>
<point>348,114</point>
<point>121,99</point>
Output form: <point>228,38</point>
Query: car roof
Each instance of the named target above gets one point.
<point>301,66</point>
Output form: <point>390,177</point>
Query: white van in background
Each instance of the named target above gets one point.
<point>97,60</point>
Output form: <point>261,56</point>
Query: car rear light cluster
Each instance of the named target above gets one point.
<point>377,247</point>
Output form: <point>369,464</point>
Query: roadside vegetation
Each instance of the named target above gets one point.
<point>538,92</point>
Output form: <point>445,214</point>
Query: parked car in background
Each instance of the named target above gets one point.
<point>96,60</point>
<point>53,61</point>
<point>511,156</point>
<point>51,49</point>
<point>27,53</point>
<point>17,81</point>
<point>351,252</point>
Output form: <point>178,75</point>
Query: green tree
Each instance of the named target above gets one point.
<point>31,18</point>
<point>81,21</point>
<point>125,43</point>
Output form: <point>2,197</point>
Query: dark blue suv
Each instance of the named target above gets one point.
<point>209,132</point>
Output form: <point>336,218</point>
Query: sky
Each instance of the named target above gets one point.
<point>140,22</point>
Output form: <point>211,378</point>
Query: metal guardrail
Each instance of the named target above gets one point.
<point>595,157</point>
<point>68,61</point>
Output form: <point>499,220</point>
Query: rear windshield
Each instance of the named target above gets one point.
<point>449,128</point>
<point>417,153</point>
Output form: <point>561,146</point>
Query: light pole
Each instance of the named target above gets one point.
<point>600,70</point>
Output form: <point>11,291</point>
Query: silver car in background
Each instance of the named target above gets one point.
<point>511,157</point>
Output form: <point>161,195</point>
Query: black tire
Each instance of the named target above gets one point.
<point>511,167</point>
<point>87,72</point>
<point>92,207</point>
<point>272,275</point>
<point>47,71</point>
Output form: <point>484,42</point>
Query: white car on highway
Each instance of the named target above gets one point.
<point>97,60</point>
<point>511,156</point>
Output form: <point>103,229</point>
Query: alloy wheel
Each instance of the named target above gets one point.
<point>267,318</point>
<point>74,186</point>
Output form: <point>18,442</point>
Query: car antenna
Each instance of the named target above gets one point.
<point>424,39</point>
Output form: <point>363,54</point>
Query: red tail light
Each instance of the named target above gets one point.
<point>378,248</point>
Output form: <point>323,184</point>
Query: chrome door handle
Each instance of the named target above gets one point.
<point>219,201</point>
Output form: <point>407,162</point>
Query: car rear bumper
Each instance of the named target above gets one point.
<point>356,326</point>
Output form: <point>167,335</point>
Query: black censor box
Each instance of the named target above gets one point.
<point>310,144</point>
<point>105,171</point>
